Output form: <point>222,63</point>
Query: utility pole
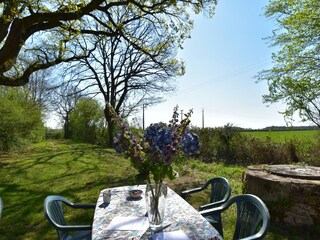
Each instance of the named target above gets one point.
<point>202,118</point>
<point>181,114</point>
<point>143,116</point>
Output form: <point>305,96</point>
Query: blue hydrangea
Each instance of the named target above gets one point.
<point>190,143</point>
<point>161,142</point>
<point>150,134</point>
<point>158,136</point>
<point>162,139</point>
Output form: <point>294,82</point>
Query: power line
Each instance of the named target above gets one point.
<point>237,72</point>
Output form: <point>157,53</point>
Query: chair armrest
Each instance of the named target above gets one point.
<point>190,191</point>
<point>210,211</point>
<point>79,205</point>
<point>84,205</point>
<point>73,227</point>
<point>211,205</point>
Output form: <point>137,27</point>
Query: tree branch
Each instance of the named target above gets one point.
<point>22,28</point>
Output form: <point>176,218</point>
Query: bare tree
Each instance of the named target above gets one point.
<point>126,77</point>
<point>65,99</point>
<point>40,89</point>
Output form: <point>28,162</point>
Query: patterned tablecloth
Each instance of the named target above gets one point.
<point>180,214</point>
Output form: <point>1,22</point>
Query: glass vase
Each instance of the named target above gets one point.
<point>156,194</point>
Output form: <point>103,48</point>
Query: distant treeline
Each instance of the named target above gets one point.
<point>278,128</point>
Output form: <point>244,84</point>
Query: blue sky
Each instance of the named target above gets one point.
<point>222,56</point>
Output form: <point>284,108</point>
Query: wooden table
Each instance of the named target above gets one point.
<point>180,214</point>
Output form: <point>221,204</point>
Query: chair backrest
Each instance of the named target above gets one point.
<point>1,207</point>
<point>220,189</point>
<point>54,213</point>
<point>252,217</point>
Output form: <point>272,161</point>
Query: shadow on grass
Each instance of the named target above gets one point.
<point>78,174</point>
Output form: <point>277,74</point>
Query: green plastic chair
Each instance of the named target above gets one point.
<point>220,191</point>
<point>1,207</point>
<point>253,217</point>
<point>54,213</point>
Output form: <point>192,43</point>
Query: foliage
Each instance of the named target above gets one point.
<point>159,148</point>
<point>20,119</point>
<point>26,27</point>
<point>311,152</point>
<point>217,143</point>
<point>302,144</point>
<point>251,150</point>
<point>87,121</point>
<point>54,133</point>
<point>294,79</point>
<point>226,135</point>
<point>245,148</point>
<point>209,144</point>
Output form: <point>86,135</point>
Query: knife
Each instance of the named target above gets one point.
<point>162,228</point>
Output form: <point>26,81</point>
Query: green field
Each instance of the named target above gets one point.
<point>305,136</point>
<point>79,172</point>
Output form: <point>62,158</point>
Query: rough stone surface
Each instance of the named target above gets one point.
<point>291,201</point>
<point>295,171</point>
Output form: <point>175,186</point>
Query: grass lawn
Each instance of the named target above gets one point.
<point>78,172</point>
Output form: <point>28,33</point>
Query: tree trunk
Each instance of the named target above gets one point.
<point>66,127</point>
<point>111,125</point>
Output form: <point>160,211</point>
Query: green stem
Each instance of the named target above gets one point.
<point>154,201</point>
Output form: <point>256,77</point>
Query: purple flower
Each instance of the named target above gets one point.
<point>122,141</point>
<point>117,143</point>
<point>156,150</point>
